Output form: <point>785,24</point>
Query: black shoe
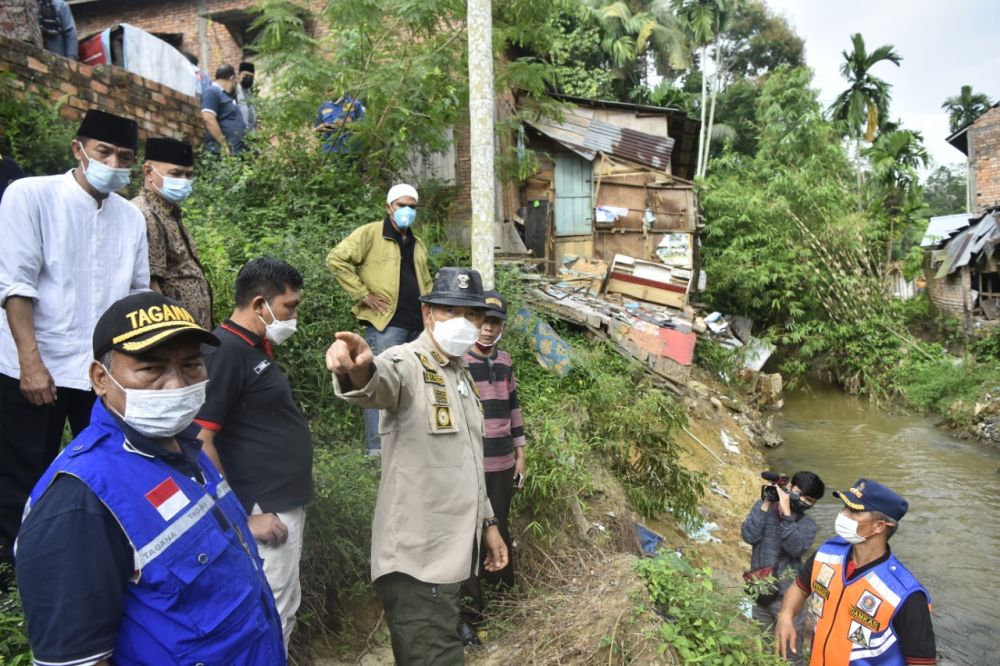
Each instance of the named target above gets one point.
<point>468,635</point>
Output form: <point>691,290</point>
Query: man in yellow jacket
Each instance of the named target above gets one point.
<point>383,268</point>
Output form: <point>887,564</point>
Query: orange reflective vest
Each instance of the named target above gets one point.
<point>854,618</point>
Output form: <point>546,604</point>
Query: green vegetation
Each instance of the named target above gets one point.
<point>32,131</point>
<point>699,625</point>
<point>14,649</point>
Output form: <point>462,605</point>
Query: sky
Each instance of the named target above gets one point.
<point>944,45</point>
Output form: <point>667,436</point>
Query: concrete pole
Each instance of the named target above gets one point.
<point>481,110</point>
<point>203,51</point>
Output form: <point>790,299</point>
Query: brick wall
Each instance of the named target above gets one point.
<point>168,17</point>
<point>984,160</point>
<point>221,45</point>
<point>159,110</point>
<point>951,294</point>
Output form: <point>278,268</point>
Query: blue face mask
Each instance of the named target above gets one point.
<point>174,190</point>
<point>103,178</point>
<point>404,217</point>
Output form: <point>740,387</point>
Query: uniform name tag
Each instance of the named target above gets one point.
<point>441,397</point>
<point>433,378</point>
<point>864,618</point>
<point>820,590</point>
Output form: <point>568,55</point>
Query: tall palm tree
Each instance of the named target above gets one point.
<point>965,107</point>
<point>631,33</point>
<point>865,103</point>
<point>704,20</point>
<point>896,158</point>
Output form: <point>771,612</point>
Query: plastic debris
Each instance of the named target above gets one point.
<point>703,534</point>
<point>729,443</point>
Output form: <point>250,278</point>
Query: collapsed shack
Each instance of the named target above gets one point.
<point>961,267</point>
<point>611,178</point>
<point>657,327</point>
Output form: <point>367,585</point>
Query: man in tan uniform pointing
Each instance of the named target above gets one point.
<point>432,506</point>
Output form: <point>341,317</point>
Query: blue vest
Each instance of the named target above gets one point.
<point>854,618</point>
<point>198,595</point>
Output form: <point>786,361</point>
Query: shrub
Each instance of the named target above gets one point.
<point>32,131</point>
<point>14,648</point>
<point>701,623</point>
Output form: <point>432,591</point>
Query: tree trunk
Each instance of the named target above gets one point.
<point>704,100</point>
<point>857,168</point>
<point>481,110</point>
<point>716,88</point>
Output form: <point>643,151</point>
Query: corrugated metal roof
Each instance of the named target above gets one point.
<point>587,136</point>
<point>969,245</point>
<point>941,228</point>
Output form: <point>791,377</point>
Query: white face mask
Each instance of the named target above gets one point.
<point>278,330</point>
<point>847,529</point>
<point>455,336</point>
<point>161,413</point>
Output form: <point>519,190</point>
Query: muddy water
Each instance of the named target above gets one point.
<point>950,539</point>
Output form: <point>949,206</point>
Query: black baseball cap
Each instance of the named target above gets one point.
<point>143,321</point>
<point>496,305</point>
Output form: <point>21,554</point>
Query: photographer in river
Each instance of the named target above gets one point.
<point>780,532</point>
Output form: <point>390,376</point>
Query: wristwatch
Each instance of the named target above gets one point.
<point>490,522</point>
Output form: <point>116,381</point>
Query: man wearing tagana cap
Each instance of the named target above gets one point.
<point>174,269</point>
<point>432,510</point>
<point>867,607</point>
<point>134,550</point>
<point>71,248</point>
<point>383,268</point>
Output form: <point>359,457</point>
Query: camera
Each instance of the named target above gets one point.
<point>769,493</point>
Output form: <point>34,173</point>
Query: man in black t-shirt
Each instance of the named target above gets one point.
<point>253,429</point>
<point>866,604</point>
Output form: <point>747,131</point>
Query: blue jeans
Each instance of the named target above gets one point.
<point>379,341</point>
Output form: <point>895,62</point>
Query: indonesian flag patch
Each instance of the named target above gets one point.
<point>168,498</point>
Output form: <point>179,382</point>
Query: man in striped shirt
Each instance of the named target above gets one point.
<point>503,448</point>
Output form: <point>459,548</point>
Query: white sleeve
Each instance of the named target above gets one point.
<point>21,259</point>
<point>140,269</point>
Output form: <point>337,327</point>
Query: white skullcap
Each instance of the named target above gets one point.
<point>401,190</point>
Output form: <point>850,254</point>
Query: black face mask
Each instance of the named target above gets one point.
<point>798,506</point>
<point>247,83</point>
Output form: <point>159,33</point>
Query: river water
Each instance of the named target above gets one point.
<point>949,539</point>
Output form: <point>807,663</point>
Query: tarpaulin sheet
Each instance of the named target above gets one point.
<point>152,58</point>
<point>552,352</point>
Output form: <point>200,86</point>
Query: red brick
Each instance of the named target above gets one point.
<point>37,65</point>
<point>99,87</point>
<point>68,88</point>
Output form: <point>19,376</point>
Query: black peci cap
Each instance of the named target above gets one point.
<point>109,128</point>
<point>456,286</point>
<point>143,321</point>
<point>170,151</point>
<point>247,67</point>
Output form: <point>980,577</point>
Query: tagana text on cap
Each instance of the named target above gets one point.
<point>143,321</point>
